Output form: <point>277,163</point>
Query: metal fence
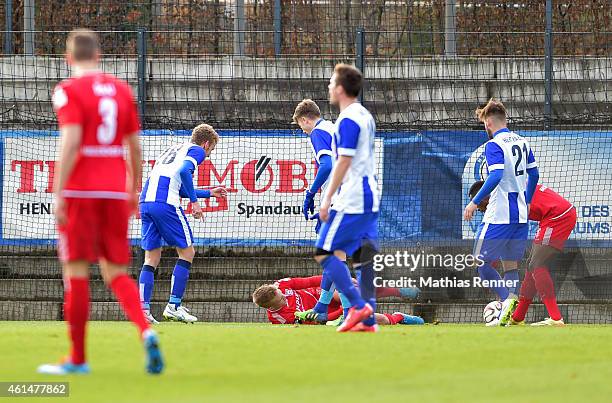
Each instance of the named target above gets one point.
<point>324,27</point>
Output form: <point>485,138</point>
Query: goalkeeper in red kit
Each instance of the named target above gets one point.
<point>290,296</point>
<point>95,196</point>
<point>557,218</point>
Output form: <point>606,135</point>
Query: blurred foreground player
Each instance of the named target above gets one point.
<point>513,176</point>
<point>351,224</point>
<point>97,118</point>
<point>163,218</point>
<point>287,298</point>
<point>557,218</point>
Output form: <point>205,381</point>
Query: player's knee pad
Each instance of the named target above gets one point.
<point>365,254</point>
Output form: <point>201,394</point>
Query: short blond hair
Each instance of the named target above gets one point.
<point>307,108</point>
<point>203,133</point>
<point>264,295</point>
<point>493,108</point>
<point>83,44</point>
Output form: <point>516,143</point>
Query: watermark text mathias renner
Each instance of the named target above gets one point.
<point>413,261</point>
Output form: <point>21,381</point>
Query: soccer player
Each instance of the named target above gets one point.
<point>557,218</point>
<point>97,118</point>
<point>288,297</point>
<point>164,219</point>
<point>307,116</point>
<point>350,226</point>
<point>513,176</point>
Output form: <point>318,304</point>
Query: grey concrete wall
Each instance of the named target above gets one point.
<point>224,90</point>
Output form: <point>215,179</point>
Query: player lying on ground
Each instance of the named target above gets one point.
<point>349,207</point>
<point>557,218</point>
<point>164,219</point>
<point>97,118</point>
<point>287,298</point>
<point>513,176</point>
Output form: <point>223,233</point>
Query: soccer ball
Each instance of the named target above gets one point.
<point>491,313</point>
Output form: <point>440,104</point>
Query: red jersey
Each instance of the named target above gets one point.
<point>104,107</point>
<point>302,294</point>
<point>547,204</point>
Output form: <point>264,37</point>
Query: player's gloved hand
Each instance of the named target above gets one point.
<point>308,203</point>
<point>316,217</point>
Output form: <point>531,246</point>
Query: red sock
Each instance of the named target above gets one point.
<point>382,292</point>
<point>76,313</point>
<point>394,319</point>
<point>127,294</point>
<point>546,289</point>
<point>528,291</point>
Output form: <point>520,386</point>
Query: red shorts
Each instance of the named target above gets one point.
<point>556,232</point>
<point>95,229</point>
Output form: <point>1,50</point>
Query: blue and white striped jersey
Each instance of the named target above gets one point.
<point>354,136</point>
<point>511,153</point>
<point>321,139</point>
<point>164,183</point>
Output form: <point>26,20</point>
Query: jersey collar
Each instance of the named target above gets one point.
<point>318,121</point>
<point>504,130</point>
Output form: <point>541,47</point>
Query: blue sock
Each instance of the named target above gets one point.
<point>180,275</point>
<point>344,301</point>
<point>338,271</point>
<point>327,293</point>
<point>513,275</point>
<point>346,304</point>
<point>486,272</point>
<point>145,285</point>
<point>368,291</point>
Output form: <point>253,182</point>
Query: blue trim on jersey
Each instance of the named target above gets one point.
<point>321,140</point>
<point>513,210</point>
<point>530,157</point>
<point>163,185</point>
<point>504,130</point>
<point>533,175</point>
<point>489,185</point>
<point>494,154</point>
<point>348,131</point>
<point>197,153</point>
<point>323,172</point>
<point>186,174</point>
<point>203,193</point>
<point>368,198</point>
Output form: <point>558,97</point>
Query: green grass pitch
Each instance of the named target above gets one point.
<point>266,363</point>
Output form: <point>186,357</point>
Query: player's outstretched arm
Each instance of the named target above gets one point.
<point>299,283</point>
<point>206,194</point>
